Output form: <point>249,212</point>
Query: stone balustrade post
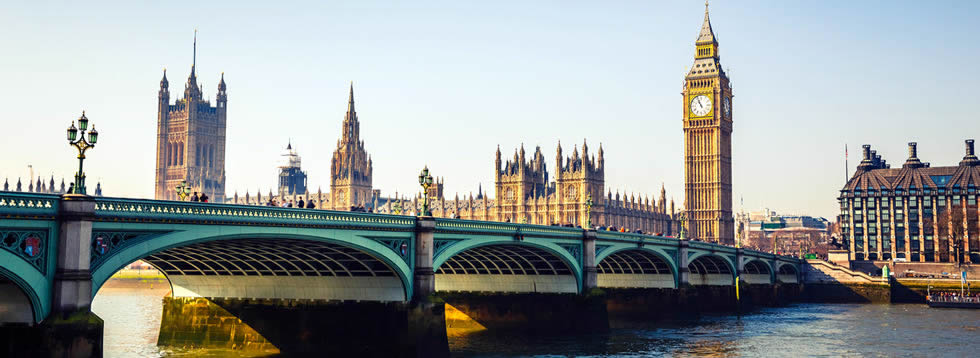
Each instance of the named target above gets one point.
<point>423,281</point>
<point>72,280</point>
<point>684,272</point>
<point>739,255</point>
<point>589,272</point>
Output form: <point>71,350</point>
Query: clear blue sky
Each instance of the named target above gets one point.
<point>444,83</point>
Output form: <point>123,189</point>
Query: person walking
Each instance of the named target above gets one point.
<point>301,204</point>
<point>309,205</point>
<point>71,189</point>
<point>204,197</point>
<point>194,197</point>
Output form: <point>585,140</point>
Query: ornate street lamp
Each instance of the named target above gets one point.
<point>425,180</point>
<point>183,190</point>
<point>82,145</point>
<point>588,212</point>
<point>682,217</point>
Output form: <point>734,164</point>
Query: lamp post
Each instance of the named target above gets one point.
<point>682,217</point>
<point>425,180</point>
<point>80,143</point>
<point>183,190</point>
<point>588,211</point>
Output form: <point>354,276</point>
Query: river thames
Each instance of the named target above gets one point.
<point>132,322</point>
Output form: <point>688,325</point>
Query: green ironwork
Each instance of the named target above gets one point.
<point>29,245</point>
<point>106,243</point>
<point>440,245</point>
<point>574,249</point>
<point>83,144</point>
<point>169,211</point>
<point>29,205</point>
<point>400,247</point>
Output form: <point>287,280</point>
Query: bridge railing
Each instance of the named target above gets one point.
<point>110,209</point>
<point>634,237</point>
<point>29,204</point>
<point>494,227</point>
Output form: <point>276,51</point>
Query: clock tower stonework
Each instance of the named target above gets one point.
<point>707,120</point>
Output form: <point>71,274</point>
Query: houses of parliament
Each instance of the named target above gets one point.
<point>191,148</point>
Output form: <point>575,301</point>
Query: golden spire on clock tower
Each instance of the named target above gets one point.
<point>707,121</point>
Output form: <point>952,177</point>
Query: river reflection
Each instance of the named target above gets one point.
<point>132,323</point>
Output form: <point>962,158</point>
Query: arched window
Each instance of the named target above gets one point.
<point>211,156</point>
<point>169,155</point>
<point>180,154</point>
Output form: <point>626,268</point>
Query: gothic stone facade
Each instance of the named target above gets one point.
<point>707,97</point>
<point>917,212</point>
<point>525,194</point>
<point>191,141</point>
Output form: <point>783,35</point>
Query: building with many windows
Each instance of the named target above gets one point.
<point>917,213</point>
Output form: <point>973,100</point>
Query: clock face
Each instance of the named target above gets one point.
<point>726,106</point>
<point>701,105</point>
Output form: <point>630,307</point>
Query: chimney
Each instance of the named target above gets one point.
<point>913,161</point>
<point>970,159</point>
<point>868,162</point>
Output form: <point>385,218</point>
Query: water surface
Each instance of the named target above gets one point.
<point>132,323</point>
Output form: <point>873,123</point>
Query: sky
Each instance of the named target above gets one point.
<point>443,83</point>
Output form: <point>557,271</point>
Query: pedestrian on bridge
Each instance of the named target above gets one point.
<point>301,204</point>
<point>204,197</point>
<point>309,204</point>
<point>194,197</point>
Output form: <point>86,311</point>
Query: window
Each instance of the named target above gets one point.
<point>871,203</point>
<point>927,201</point>
<point>940,180</point>
<point>941,201</point>
<point>884,203</point>
<point>913,202</point>
<point>972,200</point>
<point>886,229</point>
<point>956,200</point>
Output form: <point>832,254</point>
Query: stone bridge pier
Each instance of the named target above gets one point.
<point>70,329</point>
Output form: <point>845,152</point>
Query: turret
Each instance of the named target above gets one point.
<point>970,159</point>
<point>222,96</point>
<point>912,162</point>
<point>164,94</point>
<point>558,159</point>
<point>600,161</point>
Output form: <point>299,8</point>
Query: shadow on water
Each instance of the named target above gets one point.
<point>705,335</point>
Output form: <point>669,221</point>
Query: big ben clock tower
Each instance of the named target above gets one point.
<point>707,119</point>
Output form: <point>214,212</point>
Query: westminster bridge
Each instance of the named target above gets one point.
<point>342,274</point>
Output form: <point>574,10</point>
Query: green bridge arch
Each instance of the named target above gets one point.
<point>463,242</point>
<point>35,285</point>
<point>160,239</point>
<point>653,249</point>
